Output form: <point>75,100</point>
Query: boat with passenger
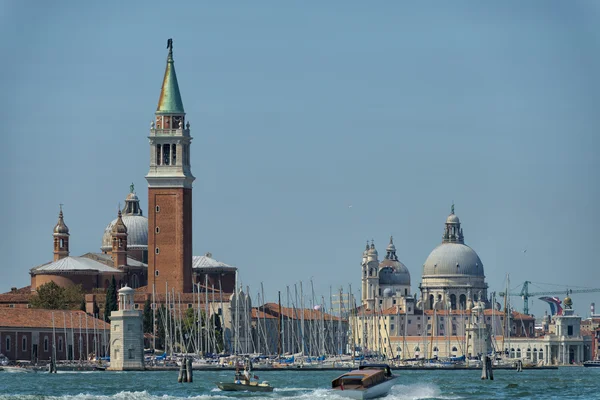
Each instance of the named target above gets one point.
<point>367,382</point>
<point>243,381</point>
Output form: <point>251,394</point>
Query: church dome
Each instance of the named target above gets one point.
<point>61,227</point>
<point>135,222</point>
<point>452,219</point>
<point>453,259</point>
<point>391,270</point>
<point>137,233</point>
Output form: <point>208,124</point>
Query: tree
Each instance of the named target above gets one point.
<point>49,296</point>
<point>148,317</point>
<point>82,305</point>
<point>111,304</point>
<point>95,308</point>
<point>53,297</point>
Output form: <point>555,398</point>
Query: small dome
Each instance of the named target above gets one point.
<point>119,226</point>
<point>132,197</point>
<point>453,259</point>
<point>126,290</point>
<point>393,273</point>
<point>387,292</point>
<point>452,219</point>
<point>60,226</point>
<point>568,302</point>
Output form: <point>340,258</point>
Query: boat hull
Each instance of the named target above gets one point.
<point>373,392</point>
<point>239,387</point>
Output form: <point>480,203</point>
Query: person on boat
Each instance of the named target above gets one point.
<point>246,376</point>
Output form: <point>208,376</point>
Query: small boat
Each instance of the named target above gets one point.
<point>240,386</point>
<point>243,382</point>
<point>591,363</point>
<point>367,382</point>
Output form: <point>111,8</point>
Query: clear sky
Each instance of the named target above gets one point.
<point>300,110</point>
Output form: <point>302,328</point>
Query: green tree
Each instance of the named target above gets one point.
<point>148,317</point>
<point>82,305</point>
<point>95,308</point>
<point>111,304</point>
<point>49,296</point>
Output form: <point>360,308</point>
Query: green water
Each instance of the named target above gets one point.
<point>564,383</point>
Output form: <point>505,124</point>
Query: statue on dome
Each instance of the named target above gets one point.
<point>131,188</point>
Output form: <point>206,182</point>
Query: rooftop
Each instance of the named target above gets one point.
<point>39,318</point>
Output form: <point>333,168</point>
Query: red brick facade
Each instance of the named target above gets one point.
<point>170,240</point>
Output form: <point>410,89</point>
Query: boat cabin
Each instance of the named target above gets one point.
<point>365,377</point>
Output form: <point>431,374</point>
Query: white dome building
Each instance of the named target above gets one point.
<point>137,229</point>
<point>453,275</point>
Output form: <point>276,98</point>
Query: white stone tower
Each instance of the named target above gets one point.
<point>126,335</point>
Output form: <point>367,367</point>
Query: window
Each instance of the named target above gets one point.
<point>156,273</point>
<point>129,327</point>
<point>11,306</point>
<point>392,318</point>
<point>410,321</point>
<point>158,154</point>
<point>156,250</point>
<point>190,305</point>
<point>7,344</point>
<point>136,306</point>
<point>442,327</point>
<point>392,327</point>
<point>442,319</point>
<point>174,150</point>
<point>453,318</point>
<point>166,154</point>
<point>569,330</point>
<point>394,302</point>
<point>46,343</point>
<point>60,344</point>
<point>24,343</point>
<point>131,355</point>
<point>157,208</point>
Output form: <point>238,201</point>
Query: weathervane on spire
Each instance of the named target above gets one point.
<point>452,209</point>
<point>170,44</point>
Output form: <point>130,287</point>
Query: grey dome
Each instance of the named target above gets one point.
<point>452,219</point>
<point>137,233</point>
<point>453,259</point>
<point>387,292</point>
<point>393,273</point>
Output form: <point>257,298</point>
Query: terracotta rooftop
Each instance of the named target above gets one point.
<point>294,313</point>
<point>39,318</point>
<point>256,313</point>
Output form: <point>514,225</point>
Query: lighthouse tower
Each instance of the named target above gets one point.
<point>126,335</point>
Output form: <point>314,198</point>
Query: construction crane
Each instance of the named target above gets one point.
<point>526,294</point>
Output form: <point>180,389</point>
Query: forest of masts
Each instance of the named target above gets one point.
<point>300,323</point>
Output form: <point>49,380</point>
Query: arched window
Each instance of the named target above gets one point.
<point>462,302</point>
<point>417,348</point>
<point>454,348</point>
<point>453,301</point>
<point>430,301</point>
<point>518,352</point>
<point>512,353</point>
<point>398,349</point>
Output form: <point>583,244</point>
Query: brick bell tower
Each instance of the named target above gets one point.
<point>170,191</point>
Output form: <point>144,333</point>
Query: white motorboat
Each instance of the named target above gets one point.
<point>367,382</point>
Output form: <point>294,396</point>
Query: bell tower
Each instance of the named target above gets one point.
<point>119,242</point>
<point>170,191</point>
<point>61,238</point>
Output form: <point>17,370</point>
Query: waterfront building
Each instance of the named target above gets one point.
<point>126,334</point>
<point>34,334</point>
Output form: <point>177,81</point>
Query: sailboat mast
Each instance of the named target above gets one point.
<point>279,325</point>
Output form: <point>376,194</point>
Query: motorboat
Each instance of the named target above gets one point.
<point>367,382</point>
<point>591,363</point>
<point>243,382</point>
<point>241,386</point>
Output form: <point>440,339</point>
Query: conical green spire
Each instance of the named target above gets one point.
<point>170,98</point>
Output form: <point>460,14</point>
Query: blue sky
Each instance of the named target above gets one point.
<point>301,109</point>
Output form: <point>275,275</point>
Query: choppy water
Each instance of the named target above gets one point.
<point>564,383</point>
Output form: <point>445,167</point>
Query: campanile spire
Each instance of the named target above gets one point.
<point>170,190</point>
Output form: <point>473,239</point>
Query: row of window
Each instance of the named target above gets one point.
<point>8,343</point>
<point>166,154</point>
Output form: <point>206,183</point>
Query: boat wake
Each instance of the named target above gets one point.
<point>418,391</point>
